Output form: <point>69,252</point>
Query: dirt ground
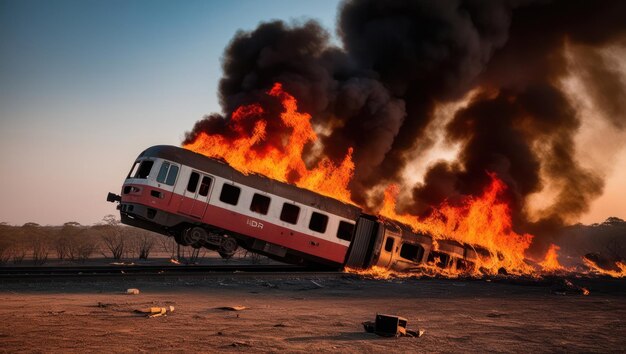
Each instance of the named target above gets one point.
<point>305,314</point>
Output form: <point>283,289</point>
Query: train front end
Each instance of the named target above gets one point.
<point>146,193</point>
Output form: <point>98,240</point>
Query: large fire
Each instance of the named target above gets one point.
<point>483,222</point>
<point>281,161</point>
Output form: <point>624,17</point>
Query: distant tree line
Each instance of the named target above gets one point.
<point>74,242</point>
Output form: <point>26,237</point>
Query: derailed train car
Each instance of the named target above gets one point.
<point>204,202</point>
<point>389,244</point>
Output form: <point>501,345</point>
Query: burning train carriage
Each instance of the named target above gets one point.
<point>204,202</point>
<point>389,244</point>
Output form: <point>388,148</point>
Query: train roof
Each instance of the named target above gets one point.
<point>406,230</point>
<point>254,180</point>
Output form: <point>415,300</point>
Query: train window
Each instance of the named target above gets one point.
<point>290,213</point>
<point>193,182</point>
<point>344,232</point>
<point>230,194</point>
<point>260,204</point>
<point>167,174</point>
<point>412,252</point>
<point>133,170</point>
<point>439,259</point>
<point>389,244</point>
<point>171,175</point>
<point>144,169</point>
<point>318,222</point>
<point>205,185</point>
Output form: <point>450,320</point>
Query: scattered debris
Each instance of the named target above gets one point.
<point>132,291</point>
<point>391,326</point>
<point>569,288</point>
<point>232,308</point>
<point>155,311</point>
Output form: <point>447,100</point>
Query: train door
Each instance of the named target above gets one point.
<point>196,195</point>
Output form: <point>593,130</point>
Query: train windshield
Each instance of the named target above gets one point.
<point>141,169</point>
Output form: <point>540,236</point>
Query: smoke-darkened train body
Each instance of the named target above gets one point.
<point>203,202</point>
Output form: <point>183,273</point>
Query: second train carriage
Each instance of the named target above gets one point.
<point>203,202</point>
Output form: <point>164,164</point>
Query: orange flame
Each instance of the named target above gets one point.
<point>621,273</point>
<point>283,160</point>
<point>551,262</point>
<point>484,221</point>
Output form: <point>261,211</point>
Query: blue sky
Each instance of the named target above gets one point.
<point>86,85</point>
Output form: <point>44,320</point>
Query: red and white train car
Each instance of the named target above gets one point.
<point>203,202</point>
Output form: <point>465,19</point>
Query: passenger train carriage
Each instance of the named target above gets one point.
<point>203,202</point>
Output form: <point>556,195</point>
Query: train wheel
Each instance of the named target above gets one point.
<point>228,247</point>
<point>193,237</point>
<point>179,238</point>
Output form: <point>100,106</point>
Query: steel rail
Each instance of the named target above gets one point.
<point>113,270</point>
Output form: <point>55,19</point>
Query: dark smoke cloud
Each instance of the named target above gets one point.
<point>531,112</point>
<point>424,51</point>
<point>401,59</point>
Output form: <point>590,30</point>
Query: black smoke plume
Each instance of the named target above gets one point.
<point>401,59</point>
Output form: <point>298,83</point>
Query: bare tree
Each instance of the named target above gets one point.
<point>168,245</point>
<point>113,236</point>
<point>145,243</point>
<point>80,249</point>
<point>75,242</point>
<point>5,251</point>
<point>6,236</point>
<point>34,235</point>
<point>40,249</point>
<point>61,246</point>
<point>18,252</point>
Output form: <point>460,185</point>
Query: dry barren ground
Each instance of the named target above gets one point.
<point>307,314</point>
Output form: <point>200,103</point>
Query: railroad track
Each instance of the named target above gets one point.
<point>153,270</point>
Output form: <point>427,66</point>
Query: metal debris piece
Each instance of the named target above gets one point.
<point>391,326</point>
<point>155,311</point>
<point>565,287</point>
<point>132,291</point>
